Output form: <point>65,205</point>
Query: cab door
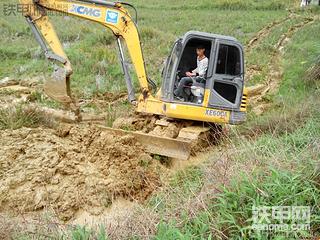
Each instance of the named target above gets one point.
<point>169,72</point>
<point>228,76</point>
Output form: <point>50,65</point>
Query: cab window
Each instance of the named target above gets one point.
<point>228,62</point>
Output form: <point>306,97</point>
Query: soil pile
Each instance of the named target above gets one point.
<point>151,124</point>
<point>72,168</point>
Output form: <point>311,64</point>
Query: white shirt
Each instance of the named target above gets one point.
<point>202,66</point>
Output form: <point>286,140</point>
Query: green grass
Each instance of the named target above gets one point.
<point>73,232</point>
<point>23,116</point>
<point>262,54</point>
<point>183,185</point>
<point>218,4</point>
<point>296,99</point>
<point>229,215</point>
<point>233,207</point>
<point>301,54</point>
<point>83,233</point>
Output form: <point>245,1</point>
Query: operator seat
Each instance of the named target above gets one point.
<point>197,90</point>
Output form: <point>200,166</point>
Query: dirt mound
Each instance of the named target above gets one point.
<point>151,124</point>
<point>136,122</point>
<point>71,169</point>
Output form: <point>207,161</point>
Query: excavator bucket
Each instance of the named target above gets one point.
<point>58,86</point>
<point>174,148</point>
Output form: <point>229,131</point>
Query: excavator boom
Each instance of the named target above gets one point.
<point>110,14</point>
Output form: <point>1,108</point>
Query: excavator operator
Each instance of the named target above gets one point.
<point>197,75</point>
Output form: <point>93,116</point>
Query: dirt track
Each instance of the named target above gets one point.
<point>264,32</point>
<point>70,169</point>
<point>275,71</point>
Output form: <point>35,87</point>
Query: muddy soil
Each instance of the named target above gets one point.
<point>151,124</point>
<point>72,169</point>
<point>136,122</point>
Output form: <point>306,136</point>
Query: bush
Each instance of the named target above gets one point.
<point>312,77</point>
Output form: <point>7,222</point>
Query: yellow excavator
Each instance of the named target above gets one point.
<point>221,98</point>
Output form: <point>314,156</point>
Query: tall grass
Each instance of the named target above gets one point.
<point>219,4</point>
<point>312,77</point>
<point>233,207</point>
<point>84,233</point>
<point>250,5</point>
<point>269,171</point>
<point>229,215</point>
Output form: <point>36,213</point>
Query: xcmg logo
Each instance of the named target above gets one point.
<point>92,12</point>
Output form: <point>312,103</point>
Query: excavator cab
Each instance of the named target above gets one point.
<point>221,91</point>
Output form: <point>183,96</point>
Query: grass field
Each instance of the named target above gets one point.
<point>271,160</point>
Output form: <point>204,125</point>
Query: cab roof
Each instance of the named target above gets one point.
<point>209,35</point>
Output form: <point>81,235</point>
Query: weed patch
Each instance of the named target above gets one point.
<point>23,116</point>
<point>312,77</point>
